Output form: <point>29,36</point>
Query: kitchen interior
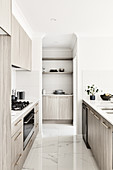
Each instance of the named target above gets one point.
<point>56,88</point>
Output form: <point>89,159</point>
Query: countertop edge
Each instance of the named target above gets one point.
<point>93,105</point>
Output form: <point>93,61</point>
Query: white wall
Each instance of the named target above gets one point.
<point>93,54</point>
<point>52,82</point>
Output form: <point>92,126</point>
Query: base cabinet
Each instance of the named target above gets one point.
<point>57,108</point>
<point>100,140</point>
<point>18,153</point>
<point>17,150</point>
<point>106,145</point>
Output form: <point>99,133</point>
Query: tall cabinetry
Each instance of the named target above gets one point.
<point>5,115</point>
<point>21,47</point>
<point>5,15</point>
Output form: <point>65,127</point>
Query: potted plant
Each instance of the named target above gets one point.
<point>92,90</point>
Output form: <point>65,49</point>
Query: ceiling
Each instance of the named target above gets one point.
<point>83,17</point>
<point>59,41</point>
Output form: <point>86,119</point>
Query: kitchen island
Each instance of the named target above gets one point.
<point>100,128</point>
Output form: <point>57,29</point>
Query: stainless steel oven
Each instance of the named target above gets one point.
<point>28,127</point>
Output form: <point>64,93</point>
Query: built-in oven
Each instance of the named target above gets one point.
<point>28,127</point>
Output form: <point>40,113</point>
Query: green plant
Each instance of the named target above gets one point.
<point>91,90</point>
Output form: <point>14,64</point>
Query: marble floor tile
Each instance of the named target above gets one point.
<point>59,151</point>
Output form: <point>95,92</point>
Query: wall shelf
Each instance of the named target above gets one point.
<point>57,58</point>
<point>57,72</point>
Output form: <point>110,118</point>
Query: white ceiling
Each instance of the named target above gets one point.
<point>59,41</point>
<point>84,17</point>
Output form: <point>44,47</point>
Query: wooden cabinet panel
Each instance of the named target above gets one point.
<point>96,137</point>
<point>65,108</point>
<point>5,94</point>
<point>17,149</point>
<point>106,145</point>
<point>36,117</point>
<point>50,108</point>
<point>5,15</point>
<point>21,47</point>
<point>15,43</point>
<point>57,108</point>
<point>100,140</point>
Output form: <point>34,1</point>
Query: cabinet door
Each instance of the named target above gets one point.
<point>50,108</point>
<point>65,108</point>
<point>36,118</point>
<point>106,145</point>
<point>5,94</point>
<point>17,149</point>
<point>96,137</point>
<point>90,127</point>
<point>5,15</point>
<point>29,60</point>
<point>24,52</point>
<point>15,51</point>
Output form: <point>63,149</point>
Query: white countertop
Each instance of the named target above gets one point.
<point>97,105</point>
<point>15,115</point>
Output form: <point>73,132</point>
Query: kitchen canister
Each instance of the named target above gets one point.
<point>21,95</point>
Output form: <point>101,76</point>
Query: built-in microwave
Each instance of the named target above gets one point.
<point>28,127</point>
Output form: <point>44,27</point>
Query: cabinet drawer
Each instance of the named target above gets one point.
<point>16,126</point>
<point>17,148</point>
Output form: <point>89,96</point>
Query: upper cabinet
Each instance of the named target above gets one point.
<point>5,15</point>
<point>21,46</point>
<point>15,52</point>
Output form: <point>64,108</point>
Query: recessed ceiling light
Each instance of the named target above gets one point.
<point>53,19</point>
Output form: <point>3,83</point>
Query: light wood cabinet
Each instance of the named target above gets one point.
<point>21,47</point>
<point>15,43</point>
<point>57,108</point>
<point>36,117</point>
<point>17,150</point>
<point>50,108</point>
<point>100,140</point>
<point>5,94</point>
<point>65,108</point>
<point>105,145</point>
<point>5,15</point>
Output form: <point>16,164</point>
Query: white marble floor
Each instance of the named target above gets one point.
<point>59,149</point>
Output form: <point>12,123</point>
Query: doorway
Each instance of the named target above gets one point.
<point>59,79</point>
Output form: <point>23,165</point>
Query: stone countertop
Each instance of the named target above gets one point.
<point>15,115</point>
<point>97,105</point>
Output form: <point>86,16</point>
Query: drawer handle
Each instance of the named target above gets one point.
<point>105,125</point>
<point>92,113</point>
<point>17,136</point>
<point>37,104</point>
<point>18,160</point>
<point>18,122</point>
<point>96,117</point>
<point>30,142</point>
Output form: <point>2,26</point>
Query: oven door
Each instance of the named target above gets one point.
<point>28,128</point>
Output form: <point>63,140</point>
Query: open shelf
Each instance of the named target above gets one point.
<point>57,72</point>
<point>57,58</point>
